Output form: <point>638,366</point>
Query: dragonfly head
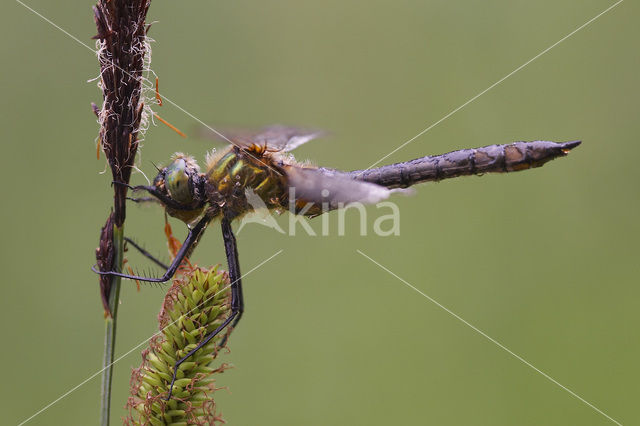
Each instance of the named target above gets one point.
<point>180,184</point>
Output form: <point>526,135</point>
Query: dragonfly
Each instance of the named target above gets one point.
<point>262,162</point>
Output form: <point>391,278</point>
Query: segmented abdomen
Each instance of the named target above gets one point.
<point>489,159</point>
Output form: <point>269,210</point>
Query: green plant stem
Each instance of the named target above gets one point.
<point>110,328</point>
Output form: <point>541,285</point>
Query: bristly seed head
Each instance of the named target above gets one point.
<point>195,305</point>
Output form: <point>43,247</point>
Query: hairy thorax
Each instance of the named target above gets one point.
<point>233,173</point>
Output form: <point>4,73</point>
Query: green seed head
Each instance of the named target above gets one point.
<point>197,302</point>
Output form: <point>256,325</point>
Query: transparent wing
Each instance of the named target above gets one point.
<point>274,138</point>
<point>333,187</point>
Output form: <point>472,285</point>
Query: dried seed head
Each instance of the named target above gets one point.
<point>105,257</point>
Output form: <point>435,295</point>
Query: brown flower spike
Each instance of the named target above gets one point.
<point>122,53</point>
<point>123,57</point>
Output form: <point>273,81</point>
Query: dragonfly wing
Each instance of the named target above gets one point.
<point>336,189</point>
<point>274,138</point>
<point>281,138</point>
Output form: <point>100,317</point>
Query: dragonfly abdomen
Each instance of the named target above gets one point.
<point>489,159</point>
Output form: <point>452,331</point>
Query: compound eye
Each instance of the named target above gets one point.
<point>177,182</point>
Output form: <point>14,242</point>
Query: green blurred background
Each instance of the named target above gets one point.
<point>545,261</point>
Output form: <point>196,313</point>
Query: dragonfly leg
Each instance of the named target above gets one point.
<point>163,198</point>
<point>233,264</point>
<point>159,196</point>
<point>237,302</point>
<point>187,247</point>
<point>145,253</point>
<point>142,200</point>
<point>200,345</point>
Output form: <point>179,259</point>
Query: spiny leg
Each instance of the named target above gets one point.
<point>188,246</point>
<point>159,196</point>
<point>145,253</point>
<point>233,264</point>
<point>237,303</point>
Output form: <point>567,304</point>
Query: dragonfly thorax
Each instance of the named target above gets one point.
<point>187,194</point>
<point>235,178</point>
